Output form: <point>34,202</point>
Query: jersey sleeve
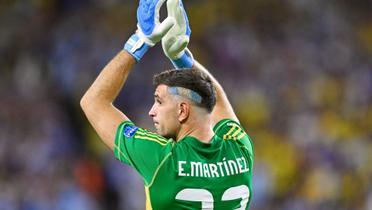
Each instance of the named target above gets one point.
<point>141,149</point>
<point>228,129</point>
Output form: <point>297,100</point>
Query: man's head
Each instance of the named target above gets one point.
<point>179,95</point>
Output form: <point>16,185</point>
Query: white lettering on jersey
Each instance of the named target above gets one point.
<point>180,168</point>
<point>213,170</point>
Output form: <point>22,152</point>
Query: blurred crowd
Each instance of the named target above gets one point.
<point>298,72</point>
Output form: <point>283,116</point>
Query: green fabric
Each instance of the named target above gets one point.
<point>190,174</point>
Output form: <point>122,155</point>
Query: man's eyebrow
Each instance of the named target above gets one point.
<point>156,96</point>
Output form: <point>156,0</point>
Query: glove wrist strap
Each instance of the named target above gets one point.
<point>185,61</point>
<point>136,47</point>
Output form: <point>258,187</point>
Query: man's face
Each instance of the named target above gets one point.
<point>164,112</point>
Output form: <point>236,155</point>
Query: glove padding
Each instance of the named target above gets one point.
<point>174,43</point>
<point>149,29</point>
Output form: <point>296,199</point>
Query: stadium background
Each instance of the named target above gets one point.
<point>298,72</point>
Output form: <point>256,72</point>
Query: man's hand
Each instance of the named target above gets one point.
<point>175,41</point>
<point>149,29</point>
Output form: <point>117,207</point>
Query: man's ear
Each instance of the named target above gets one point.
<point>183,111</point>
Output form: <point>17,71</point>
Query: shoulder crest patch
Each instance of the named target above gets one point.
<point>130,130</point>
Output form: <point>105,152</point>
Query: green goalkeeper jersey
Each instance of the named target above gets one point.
<point>189,174</point>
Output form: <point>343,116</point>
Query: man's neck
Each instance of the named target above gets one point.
<point>202,131</point>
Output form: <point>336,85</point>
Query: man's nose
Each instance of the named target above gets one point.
<point>152,111</point>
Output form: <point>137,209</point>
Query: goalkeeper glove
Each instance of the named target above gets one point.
<point>175,42</point>
<point>149,29</point>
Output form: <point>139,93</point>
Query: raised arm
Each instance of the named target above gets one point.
<point>175,48</point>
<point>97,102</point>
<point>223,108</point>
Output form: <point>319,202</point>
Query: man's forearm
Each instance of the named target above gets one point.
<point>108,84</point>
<point>97,101</point>
<point>223,108</point>
<point>219,90</point>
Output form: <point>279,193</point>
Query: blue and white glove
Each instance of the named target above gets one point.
<point>149,29</point>
<point>175,41</point>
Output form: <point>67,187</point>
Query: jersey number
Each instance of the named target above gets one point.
<point>206,198</point>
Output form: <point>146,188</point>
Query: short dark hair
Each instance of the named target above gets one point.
<point>192,79</point>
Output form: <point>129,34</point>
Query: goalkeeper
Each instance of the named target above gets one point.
<point>200,156</point>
